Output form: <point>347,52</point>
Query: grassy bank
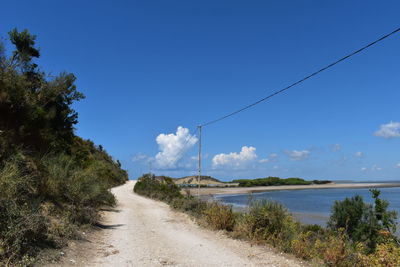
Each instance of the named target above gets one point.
<point>52,182</point>
<point>359,234</point>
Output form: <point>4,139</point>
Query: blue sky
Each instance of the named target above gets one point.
<point>148,67</point>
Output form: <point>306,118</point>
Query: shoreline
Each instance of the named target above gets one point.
<point>259,189</point>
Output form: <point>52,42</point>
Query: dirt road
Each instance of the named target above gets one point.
<point>144,232</point>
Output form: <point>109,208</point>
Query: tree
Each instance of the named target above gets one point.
<point>36,112</point>
<point>385,218</point>
<point>363,222</point>
<point>350,214</point>
<point>24,43</point>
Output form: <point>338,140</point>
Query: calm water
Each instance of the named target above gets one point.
<point>313,205</point>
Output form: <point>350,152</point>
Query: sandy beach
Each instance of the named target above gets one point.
<point>258,189</point>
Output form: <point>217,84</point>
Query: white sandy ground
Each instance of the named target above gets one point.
<point>144,232</point>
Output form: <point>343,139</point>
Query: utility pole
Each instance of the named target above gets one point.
<point>199,176</point>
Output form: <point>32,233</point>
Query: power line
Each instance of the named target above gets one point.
<point>301,80</point>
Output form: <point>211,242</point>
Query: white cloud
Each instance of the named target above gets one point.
<point>398,165</point>
<point>336,147</point>
<point>375,168</point>
<point>173,147</point>
<point>298,155</point>
<point>359,154</point>
<point>271,157</point>
<point>140,158</point>
<point>389,130</point>
<point>235,160</point>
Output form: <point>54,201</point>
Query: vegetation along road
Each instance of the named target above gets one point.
<point>145,232</point>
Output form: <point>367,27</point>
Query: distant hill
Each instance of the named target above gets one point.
<point>204,180</point>
<point>193,180</point>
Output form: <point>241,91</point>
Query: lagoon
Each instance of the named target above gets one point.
<point>312,206</point>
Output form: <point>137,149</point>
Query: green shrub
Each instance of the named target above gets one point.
<point>351,214</point>
<point>161,189</point>
<point>269,181</point>
<point>80,191</point>
<point>220,217</point>
<point>268,221</point>
<point>189,204</point>
<point>386,254</point>
<point>362,221</point>
<point>22,229</point>
<point>337,250</point>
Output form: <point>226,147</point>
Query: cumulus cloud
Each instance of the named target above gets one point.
<point>173,147</point>
<point>359,154</point>
<point>336,147</point>
<point>298,155</point>
<point>264,160</point>
<point>389,130</point>
<point>363,169</point>
<point>235,160</point>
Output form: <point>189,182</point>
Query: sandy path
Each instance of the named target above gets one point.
<point>144,232</point>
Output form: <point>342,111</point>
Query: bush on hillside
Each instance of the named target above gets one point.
<point>51,181</point>
<point>80,192</point>
<point>161,189</point>
<point>22,227</point>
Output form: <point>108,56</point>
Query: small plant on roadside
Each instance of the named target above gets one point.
<point>219,217</point>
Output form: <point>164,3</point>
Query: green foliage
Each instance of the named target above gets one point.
<point>51,181</point>
<point>363,222</point>
<point>353,215</point>
<point>22,228</point>
<point>162,188</point>
<point>190,205</point>
<point>271,181</point>
<point>36,112</point>
<point>24,43</point>
<point>80,191</point>
<point>220,217</point>
<point>268,221</point>
<point>321,181</point>
<point>386,254</point>
<point>347,243</point>
<point>385,219</point>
